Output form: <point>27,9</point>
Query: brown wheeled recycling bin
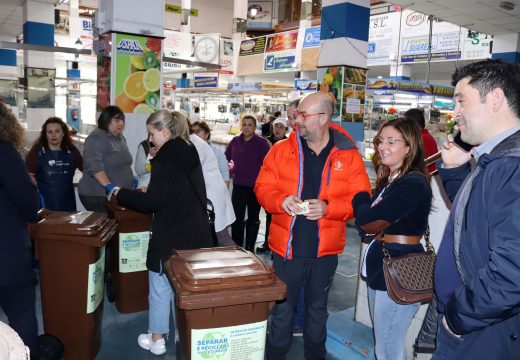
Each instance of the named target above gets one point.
<point>71,250</point>
<point>128,258</point>
<point>222,298</point>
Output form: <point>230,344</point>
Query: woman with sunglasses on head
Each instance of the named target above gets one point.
<point>107,160</point>
<point>51,162</point>
<point>247,151</point>
<point>397,213</point>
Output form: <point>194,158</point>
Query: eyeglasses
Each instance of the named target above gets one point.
<point>305,116</point>
<point>378,141</point>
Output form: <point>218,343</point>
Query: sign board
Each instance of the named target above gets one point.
<point>244,86</point>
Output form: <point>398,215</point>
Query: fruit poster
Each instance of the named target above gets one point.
<point>330,81</point>
<point>138,73</point>
<point>104,71</point>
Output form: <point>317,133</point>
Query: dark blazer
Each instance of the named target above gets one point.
<point>18,205</point>
<point>179,219</point>
<point>485,310</point>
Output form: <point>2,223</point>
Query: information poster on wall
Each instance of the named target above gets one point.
<point>104,72</point>
<point>133,248</point>
<point>138,73</point>
<point>330,81</point>
<point>229,343</point>
<point>96,282</point>
<point>252,46</point>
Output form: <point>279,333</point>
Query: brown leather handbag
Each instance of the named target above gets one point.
<point>409,278</point>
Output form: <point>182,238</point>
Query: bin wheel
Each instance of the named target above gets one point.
<point>108,287</point>
<point>49,348</point>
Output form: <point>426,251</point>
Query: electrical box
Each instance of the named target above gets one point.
<point>116,15</point>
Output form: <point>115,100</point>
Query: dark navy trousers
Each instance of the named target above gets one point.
<point>316,275</point>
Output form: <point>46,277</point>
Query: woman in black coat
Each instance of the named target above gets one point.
<point>174,196</point>
<point>18,205</point>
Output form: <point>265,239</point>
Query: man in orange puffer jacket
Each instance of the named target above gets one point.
<point>307,183</point>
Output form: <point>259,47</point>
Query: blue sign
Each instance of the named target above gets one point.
<point>273,63</point>
<point>312,37</point>
<point>307,85</point>
<point>209,81</point>
<point>371,47</point>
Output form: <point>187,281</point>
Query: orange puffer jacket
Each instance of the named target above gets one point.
<point>281,175</point>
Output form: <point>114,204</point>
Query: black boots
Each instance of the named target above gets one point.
<point>251,234</point>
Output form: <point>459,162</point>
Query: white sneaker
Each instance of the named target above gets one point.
<point>156,347</point>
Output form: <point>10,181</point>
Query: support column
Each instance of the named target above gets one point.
<point>507,47</point>
<point>342,61</point>
<point>239,33</point>
<point>38,29</point>
<point>8,76</point>
<point>400,72</point>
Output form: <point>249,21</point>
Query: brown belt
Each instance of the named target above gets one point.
<point>400,239</point>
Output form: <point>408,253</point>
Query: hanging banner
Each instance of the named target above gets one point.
<point>205,80</point>
<point>330,81</point>
<point>138,73</point>
<point>280,61</point>
<point>312,37</point>
<point>244,86</point>
<point>388,86</point>
<point>281,41</point>
<point>252,46</point>
<point>305,85</point>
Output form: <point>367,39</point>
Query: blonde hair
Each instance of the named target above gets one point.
<point>10,128</point>
<point>174,121</point>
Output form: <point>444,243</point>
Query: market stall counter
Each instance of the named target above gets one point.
<point>222,299</point>
<point>71,250</point>
<point>128,259</point>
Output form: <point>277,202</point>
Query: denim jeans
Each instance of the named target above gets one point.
<point>447,343</point>
<point>391,322</point>
<point>160,301</point>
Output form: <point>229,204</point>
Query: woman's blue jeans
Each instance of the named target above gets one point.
<point>161,302</point>
<point>391,322</point>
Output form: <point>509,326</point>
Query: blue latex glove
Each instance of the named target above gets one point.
<point>109,188</point>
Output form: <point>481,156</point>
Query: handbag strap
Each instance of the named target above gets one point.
<point>209,212</point>
<point>429,246</point>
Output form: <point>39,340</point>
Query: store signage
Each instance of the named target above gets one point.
<point>244,86</point>
<point>282,41</point>
<point>312,37</point>
<point>205,80</point>
<point>176,9</point>
<point>263,18</point>
<point>415,19</point>
<point>274,62</point>
<point>252,46</point>
<point>389,86</point>
<point>306,85</point>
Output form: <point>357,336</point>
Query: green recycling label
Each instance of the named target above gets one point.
<point>95,282</point>
<point>241,342</point>
<point>132,251</point>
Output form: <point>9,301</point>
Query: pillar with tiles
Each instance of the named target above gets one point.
<point>507,47</point>
<point>38,29</point>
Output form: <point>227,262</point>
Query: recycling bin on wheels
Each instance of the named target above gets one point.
<point>71,250</point>
<point>128,259</point>
<point>222,298</point>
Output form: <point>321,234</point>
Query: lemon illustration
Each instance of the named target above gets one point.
<point>143,109</point>
<point>134,87</point>
<point>137,62</point>
<point>152,80</point>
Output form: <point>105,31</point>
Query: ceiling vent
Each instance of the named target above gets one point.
<point>506,5</point>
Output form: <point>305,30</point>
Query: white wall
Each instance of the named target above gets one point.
<point>215,16</point>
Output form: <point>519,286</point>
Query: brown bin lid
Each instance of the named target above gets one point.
<point>96,240</point>
<point>219,268</point>
<point>120,212</point>
<point>82,223</point>
<point>223,276</point>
